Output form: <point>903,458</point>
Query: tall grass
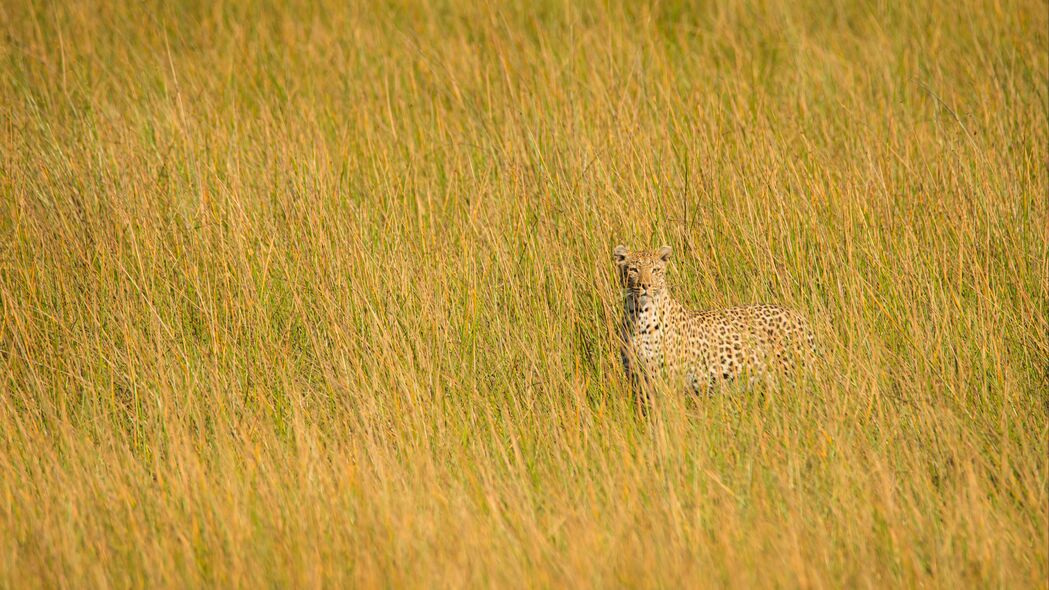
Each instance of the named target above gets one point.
<point>305,294</point>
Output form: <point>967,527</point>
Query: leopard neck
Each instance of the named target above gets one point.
<point>657,308</point>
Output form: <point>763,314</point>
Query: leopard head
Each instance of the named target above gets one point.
<point>642,273</point>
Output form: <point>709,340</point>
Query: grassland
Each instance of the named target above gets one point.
<point>302,295</point>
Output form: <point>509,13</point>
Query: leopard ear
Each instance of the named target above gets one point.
<point>664,253</point>
<point>620,254</point>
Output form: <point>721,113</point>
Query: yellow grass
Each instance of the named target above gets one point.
<point>306,295</point>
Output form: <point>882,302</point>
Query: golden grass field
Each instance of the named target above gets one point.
<point>321,295</point>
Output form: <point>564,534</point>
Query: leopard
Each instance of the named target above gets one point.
<point>699,350</point>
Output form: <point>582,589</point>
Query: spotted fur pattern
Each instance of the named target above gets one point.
<point>699,349</point>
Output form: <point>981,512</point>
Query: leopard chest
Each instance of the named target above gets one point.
<point>645,333</point>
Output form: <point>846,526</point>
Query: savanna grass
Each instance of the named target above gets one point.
<point>305,294</point>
